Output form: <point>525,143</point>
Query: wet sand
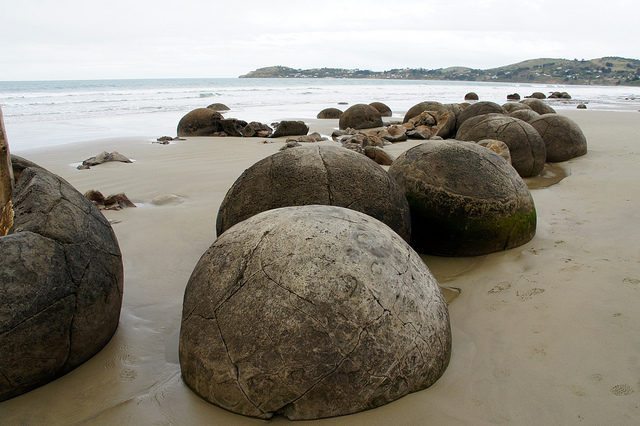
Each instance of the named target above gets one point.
<point>546,333</point>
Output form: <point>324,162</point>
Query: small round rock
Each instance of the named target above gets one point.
<point>464,199</point>
<point>311,312</point>
<point>329,113</point>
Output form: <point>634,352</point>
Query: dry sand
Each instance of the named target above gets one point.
<point>547,333</point>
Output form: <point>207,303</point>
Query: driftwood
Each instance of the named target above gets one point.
<point>6,182</point>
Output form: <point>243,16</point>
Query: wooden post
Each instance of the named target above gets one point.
<point>6,182</point>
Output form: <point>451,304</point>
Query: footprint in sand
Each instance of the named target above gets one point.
<point>527,295</point>
<point>621,390</point>
<point>500,287</point>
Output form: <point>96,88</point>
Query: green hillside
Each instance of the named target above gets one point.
<point>600,71</point>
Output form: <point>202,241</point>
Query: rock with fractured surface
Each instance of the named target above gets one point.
<point>465,200</point>
<point>327,175</point>
<point>538,106</point>
<point>311,312</point>
<point>527,149</point>
<point>562,137</point>
<point>61,281</point>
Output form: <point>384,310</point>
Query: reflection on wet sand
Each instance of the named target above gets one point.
<point>550,175</point>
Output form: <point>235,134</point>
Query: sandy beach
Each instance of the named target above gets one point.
<point>546,333</point>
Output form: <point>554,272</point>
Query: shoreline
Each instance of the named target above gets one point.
<point>543,333</point>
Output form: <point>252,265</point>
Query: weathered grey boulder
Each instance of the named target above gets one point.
<point>290,128</point>
<point>422,107</point>
<point>498,147</point>
<point>464,199</point>
<point>360,116</point>
<point>200,122</point>
<point>431,123</point>
<point>329,113</point>
<point>525,144</point>
<point>479,108</point>
<point>471,96</point>
<point>537,95</point>
<point>538,106</point>
<point>525,114</point>
<point>218,107</point>
<point>327,175</point>
<point>562,137</point>
<point>392,134</point>
<point>559,95</point>
<point>104,157</point>
<point>510,107</point>
<point>311,312</point>
<point>513,97</point>
<point>60,281</point>
<point>383,109</point>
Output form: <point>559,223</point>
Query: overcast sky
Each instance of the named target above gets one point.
<point>84,39</point>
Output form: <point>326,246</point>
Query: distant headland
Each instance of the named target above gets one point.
<point>608,70</point>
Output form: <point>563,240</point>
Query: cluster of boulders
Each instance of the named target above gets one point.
<point>305,297</point>
<point>209,122</point>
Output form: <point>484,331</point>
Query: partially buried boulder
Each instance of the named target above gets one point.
<point>527,148</point>
<point>360,116</point>
<point>510,107</point>
<point>471,96</point>
<point>537,95</point>
<point>290,128</point>
<point>525,114</point>
<point>200,122</point>
<point>562,137</point>
<point>479,108</point>
<point>538,106</point>
<point>383,109</point>
<point>513,97</point>
<point>329,113</point>
<point>311,312</point>
<point>498,147</point>
<point>218,107</point>
<point>61,281</point>
<point>327,175</point>
<point>464,199</point>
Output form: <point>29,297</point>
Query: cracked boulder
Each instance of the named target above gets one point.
<point>326,175</point>
<point>465,200</point>
<point>311,312</point>
<point>526,146</point>
<point>479,108</point>
<point>562,137</point>
<point>538,106</point>
<point>60,281</point>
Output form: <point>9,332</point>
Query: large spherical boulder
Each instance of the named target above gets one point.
<point>525,114</point>
<point>360,116</point>
<point>200,122</point>
<point>465,200</point>
<point>383,109</point>
<point>61,281</point>
<point>311,312</point>
<point>538,106</point>
<point>327,175</point>
<point>218,107</point>
<point>471,96</point>
<point>525,144</point>
<point>479,108</point>
<point>418,109</point>
<point>510,107</point>
<point>562,137</point>
<point>329,113</point>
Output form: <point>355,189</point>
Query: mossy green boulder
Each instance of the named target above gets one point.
<point>465,200</point>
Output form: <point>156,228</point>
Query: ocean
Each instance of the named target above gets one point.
<point>44,113</point>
